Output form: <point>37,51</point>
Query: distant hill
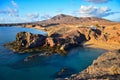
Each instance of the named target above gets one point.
<point>67,19</point>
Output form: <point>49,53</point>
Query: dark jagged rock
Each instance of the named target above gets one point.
<point>64,72</point>
<point>30,40</point>
<point>32,43</point>
<point>31,57</point>
<point>27,42</point>
<point>73,39</point>
<point>66,41</point>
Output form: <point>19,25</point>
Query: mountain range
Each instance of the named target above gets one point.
<point>67,19</point>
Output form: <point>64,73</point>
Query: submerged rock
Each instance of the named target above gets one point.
<point>64,72</point>
<point>33,56</point>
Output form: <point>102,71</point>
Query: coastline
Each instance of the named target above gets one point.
<point>105,67</point>
<point>93,43</point>
<point>101,45</point>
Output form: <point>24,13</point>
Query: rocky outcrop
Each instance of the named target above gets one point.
<point>29,40</point>
<point>64,72</point>
<point>71,39</point>
<point>91,34</point>
<point>50,42</point>
<point>107,66</point>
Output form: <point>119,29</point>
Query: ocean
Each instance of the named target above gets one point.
<point>13,66</point>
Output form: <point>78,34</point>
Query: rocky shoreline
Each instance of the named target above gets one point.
<point>62,37</point>
<point>61,42</point>
<point>35,43</point>
<point>105,67</point>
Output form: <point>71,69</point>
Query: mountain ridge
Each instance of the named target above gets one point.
<point>68,19</point>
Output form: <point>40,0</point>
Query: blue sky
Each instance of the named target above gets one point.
<point>33,10</point>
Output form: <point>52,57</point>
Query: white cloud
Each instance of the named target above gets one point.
<point>11,11</point>
<point>33,16</point>
<point>14,3</point>
<point>1,19</point>
<point>11,15</point>
<point>98,1</point>
<point>93,11</point>
<point>11,19</point>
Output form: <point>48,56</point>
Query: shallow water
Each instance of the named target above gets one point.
<point>13,66</point>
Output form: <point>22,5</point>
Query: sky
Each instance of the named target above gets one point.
<point>14,11</point>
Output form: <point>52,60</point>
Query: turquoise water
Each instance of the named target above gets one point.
<point>13,66</point>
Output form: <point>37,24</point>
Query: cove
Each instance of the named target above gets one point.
<point>13,66</point>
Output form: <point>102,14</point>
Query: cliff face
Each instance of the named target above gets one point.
<point>107,66</point>
<point>68,36</point>
<point>29,40</point>
<point>25,41</point>
<point>106,38</point>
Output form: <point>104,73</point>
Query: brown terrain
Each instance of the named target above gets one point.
<point>106,36</point>
<point>67,19</point>
<point>106,67</point>
<point>67,31</point>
